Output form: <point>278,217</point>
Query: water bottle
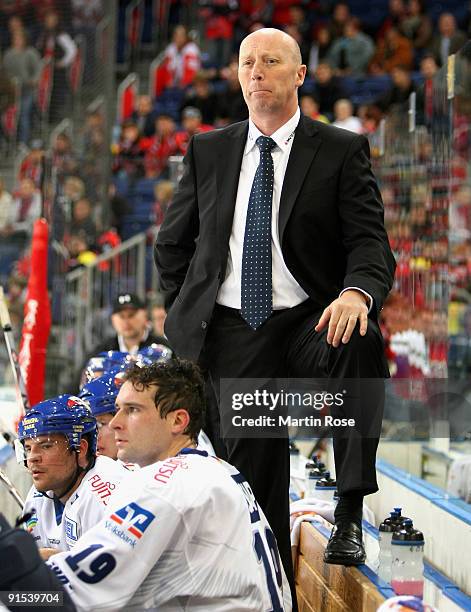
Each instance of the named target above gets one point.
<point>313,477</point>
<point>407,569</point>
<point>310,465</point>
<point>401,518</point>
<point>325,488</point>
<point>386,530</point>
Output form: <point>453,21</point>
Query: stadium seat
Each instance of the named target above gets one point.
<point>145,188</point>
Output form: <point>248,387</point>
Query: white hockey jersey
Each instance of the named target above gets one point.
<point>57,525</point>
<point>181,534</point>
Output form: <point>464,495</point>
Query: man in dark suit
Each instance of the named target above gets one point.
<point>302,301</point>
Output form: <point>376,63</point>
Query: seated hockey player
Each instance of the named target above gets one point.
<point>71,486</point>
<point>101,395</point>
<point>183,533</point>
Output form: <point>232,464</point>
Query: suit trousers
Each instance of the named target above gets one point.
<point>287,345</point>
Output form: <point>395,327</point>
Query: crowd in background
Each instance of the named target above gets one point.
<point>31,34</point>
<point>358,73</point>
<point>197,87</point>
<point>405,51</point>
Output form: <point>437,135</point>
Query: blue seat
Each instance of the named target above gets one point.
<point>145,188</point>
<point>122,184</point>
<point>142,208</point>
<point>134,225</point>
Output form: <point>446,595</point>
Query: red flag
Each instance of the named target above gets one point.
<point>37,321</point>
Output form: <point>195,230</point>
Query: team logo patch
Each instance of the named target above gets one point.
<point>71,529</point>
<point>133,518</point>
<point>31,523</point>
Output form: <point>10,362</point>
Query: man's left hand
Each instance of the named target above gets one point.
<point>48,552</point>
<point>342,316</point>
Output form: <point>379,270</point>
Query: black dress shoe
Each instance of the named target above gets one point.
<point>345,546</point>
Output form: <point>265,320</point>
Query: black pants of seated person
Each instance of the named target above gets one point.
<point>286,345</point>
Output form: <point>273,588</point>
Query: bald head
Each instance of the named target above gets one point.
<point>277,37</point>
<point>270,74</point>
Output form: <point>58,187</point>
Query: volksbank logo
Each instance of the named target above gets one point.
<point>115,530</point>
<point>133,518</point>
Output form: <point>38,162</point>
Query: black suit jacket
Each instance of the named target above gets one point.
<point>331,225</point>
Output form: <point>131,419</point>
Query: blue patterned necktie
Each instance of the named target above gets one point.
<point>256,282</point>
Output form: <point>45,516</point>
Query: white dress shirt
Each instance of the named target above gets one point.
<point>287,292</point>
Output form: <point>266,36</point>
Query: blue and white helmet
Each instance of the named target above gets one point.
<point>101,393</point>
<point>102,363</point>
<point>65,414</point>
<point>155,353</point>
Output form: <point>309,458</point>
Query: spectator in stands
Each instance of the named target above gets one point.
<point>119,207</point>
<point>310,107</point>
<point>129,152</point>
<point>340,17</point>
<point>425,94</point>
<point>344,117</point>
<point>16,291</point>
<point>55,43</point>
<point>251,12</point>
<point>397,14</point>
<point>144,116</point>
<point>79,251</point>
<point>131,324</point>
<point>448,40</point>
<point>300,18</point>
<point>93,154</point>
<point>6,207</point>
<point>370,117</point>
<point>23,63</point>
<point>160,147</point>
<point>393,50</point>
<point>201,95</point>
<point>192,123</point>
<point>9,251</point>
<point>82,221</point>
<point>7,94</point>
<point>398,95</point>
<point>428,67</point>
<point>328,89</point>
<point>351,54</point>
<point>108,240</point>
<point>417,26</point>
<point>319,48</point>
<point>86,14</point>
<point>94,124</point>
<point>231,106</point>
<point>181,61</point>
<point>14,25</point>
<point>158,315</point>
<point>163,192</point>
<point>26,209</point>
<point>63,157</point>
<point>32,165</point>
<point>218,18</point>
<point>74,188</point>
<point>305,47</point>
